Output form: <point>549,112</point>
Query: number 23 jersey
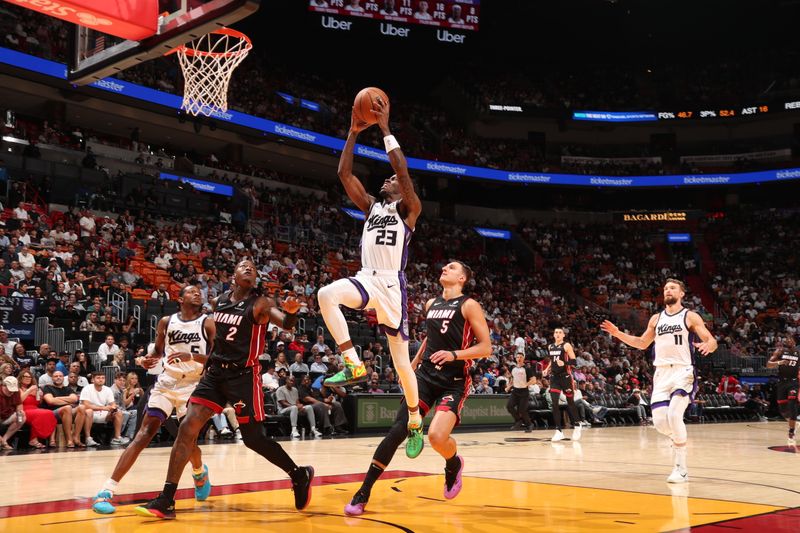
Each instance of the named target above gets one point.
<point>385,238</point>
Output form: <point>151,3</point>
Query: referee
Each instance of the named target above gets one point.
<point>521,377</point>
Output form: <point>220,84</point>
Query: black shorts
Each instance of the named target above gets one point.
<point>449,392</point>
<point>562,383</point>
<point>241,387</point>
<point>787,391</point>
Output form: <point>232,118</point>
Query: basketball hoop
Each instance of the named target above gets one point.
<point>207,64</point>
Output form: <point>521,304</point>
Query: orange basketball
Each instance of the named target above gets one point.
<point>363,104</point>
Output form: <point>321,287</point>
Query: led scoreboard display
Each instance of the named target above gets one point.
<point>456,14</point>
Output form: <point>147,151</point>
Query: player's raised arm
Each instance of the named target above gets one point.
<point>352,185</point>
<point>696,325</point>
<point>641,342</point>
<point>411,206</point>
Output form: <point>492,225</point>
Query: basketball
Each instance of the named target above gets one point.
<point>363,104</point>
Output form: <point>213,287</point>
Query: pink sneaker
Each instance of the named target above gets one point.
<point>453,491</point>
<point>356,505</point>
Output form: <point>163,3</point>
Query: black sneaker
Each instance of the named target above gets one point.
<point>528,429</point>
<point>516,426</point>
<point>301,486</point>
<point>160,507</point>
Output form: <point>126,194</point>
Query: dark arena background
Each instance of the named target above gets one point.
<point>624,171</point>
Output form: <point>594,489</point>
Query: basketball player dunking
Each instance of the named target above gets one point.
<point>182,342</point>
<point>562,359</point>
<point>381,282</point>
<point>232,376</point>
<point>674,381</point>
<point>453,321</point>
<point>787,360</point>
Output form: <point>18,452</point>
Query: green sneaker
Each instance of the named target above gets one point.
<point>415,442</point>
<point>350,375</point>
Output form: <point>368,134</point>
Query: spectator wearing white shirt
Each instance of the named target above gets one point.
<point>88,226</point>
<point>98,400</point>
<point>26,258</point>
<point>318,365</point>
<point>320,345</point>
<point>20,213</point>
<point>107,350</point>
<point>163,260</point>
<point>269,381</point>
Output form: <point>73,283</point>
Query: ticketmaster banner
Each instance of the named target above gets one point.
<point>374,411</point>
<point>121,87</point>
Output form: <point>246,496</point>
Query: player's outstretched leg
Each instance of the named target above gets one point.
<point>380,460</point>
<point>343,292</point>
<point>103,502</point>
<point>163,506</point>
<point>398,347</point>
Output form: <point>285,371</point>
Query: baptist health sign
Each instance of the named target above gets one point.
<point>375,411</point>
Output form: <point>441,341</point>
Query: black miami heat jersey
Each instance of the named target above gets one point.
<point>447,330</point>
<point>557,353</point>
<point>788,370</point>
<point>239,339</point>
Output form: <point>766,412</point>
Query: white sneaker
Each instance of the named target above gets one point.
<point>295,433</point>
<point>225,432</point>
<point>238,435</point>
<point>677,477</point>
<point>791,442</point>
<point>317,434</point>
<point>576,433</point>
<point>557,436</point>
<point>119,441</point>
<point>90,442</point>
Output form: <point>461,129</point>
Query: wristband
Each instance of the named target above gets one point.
<point>455,356</point>
<point>390,143</point>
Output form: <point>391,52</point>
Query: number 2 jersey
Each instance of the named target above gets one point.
<point>447,330</point>
<point>385,238</point>
<point>239,338</point>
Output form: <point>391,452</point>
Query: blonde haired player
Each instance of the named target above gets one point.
<point>178,356</point>
<point>381,282</point>
<point>674,383</point>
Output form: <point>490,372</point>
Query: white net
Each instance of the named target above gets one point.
<point>207,64</point>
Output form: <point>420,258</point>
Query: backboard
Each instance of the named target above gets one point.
<point>95,54</point>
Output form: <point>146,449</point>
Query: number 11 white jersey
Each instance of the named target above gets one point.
<point>384,241</point>
<point>673,339</point>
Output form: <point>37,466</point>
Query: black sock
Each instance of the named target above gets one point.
<point>453,464</point>
<point>373,474</point>
<point>169,490</point>
<point>791,432</point>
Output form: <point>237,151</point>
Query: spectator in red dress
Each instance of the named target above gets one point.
<point>41,421</point>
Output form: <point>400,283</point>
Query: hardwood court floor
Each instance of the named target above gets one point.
<point>612,480</point>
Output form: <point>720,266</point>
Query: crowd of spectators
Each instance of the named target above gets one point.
<point>264,88</point>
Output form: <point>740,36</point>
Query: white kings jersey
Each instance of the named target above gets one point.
<point>673,345</point>
<point>185,337</point>
<point>384,241</point>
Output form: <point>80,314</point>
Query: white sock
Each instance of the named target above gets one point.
<point>351,355</point>
<point>414,417</point>
<point>110,485</point>
<point>198,471</point>
<point>680,458</point>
